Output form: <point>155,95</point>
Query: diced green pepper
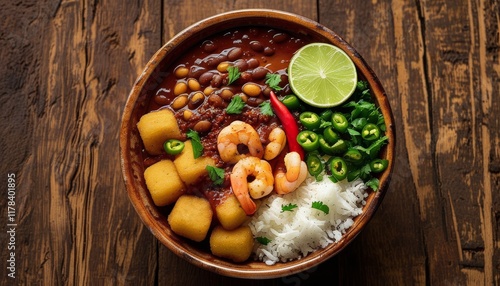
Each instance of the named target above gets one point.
<point>173,146</point>
<point>310,120</point>
<point>370,132</point>
<point>308,140</point>
<point>339,170</point>
<point>330,135</point>
<point>291,101</point>
<point>378,165</point>
<point>314,164</point>
<point>353,156</point>
<point>339,122</point>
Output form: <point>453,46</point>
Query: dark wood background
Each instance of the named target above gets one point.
<point>66,68</point>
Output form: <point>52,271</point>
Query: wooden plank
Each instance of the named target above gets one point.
<point>76,225</point>
<point>387,35</point>
<point>120,40</point>
<point>487,85</point>
<point>455,56</point>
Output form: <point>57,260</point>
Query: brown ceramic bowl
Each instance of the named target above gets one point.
<point>130,143</point>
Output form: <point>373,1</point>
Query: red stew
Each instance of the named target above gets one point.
<point>198,89</point>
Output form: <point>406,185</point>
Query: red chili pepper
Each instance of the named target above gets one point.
<point>290,126</point>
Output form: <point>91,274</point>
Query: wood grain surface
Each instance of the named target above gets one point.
<point>67,68</point>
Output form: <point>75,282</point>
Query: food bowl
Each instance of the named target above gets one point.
<point>131,146</point>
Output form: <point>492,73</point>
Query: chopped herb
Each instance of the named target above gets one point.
<point>235,106</point>
<point>373,183</point>
<point>374,148</point>
<point>325,124</point>
<point>215,174</point>
<point>273,80</point>
<point>288,208</point>
<point>234,74</point>
<point>263,240</point>
<point>321,206</point>
<point>195,142</point>
<point>266,109</point>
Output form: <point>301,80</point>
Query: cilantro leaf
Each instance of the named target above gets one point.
<point>195,142</point>
<point>266,109</point>
<point>374,148</point>
<point>321,206</point>
<point>263,240</point>
<point>235,106</point>
<point>215,174</point>
<point>234,74</point>
<point>288,208</point>
<point>373,183</point>
<point>273,80</point>
<point>325,124</point>
<point>362,85</point>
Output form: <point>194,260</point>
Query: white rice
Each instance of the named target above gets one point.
<point>294,234</point>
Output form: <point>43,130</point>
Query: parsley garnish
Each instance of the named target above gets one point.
<point>273,80</point>
<point>373,183</point>
<point>266,109</point>
<point>235,106</point>
<point>263,240</point>
<point>195,142</point>
<point>288,208</point>
<point>234,74</point>
<point>215,174</point>
<point>321,206</point>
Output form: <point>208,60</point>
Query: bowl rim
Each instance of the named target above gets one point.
<point>233,269</point>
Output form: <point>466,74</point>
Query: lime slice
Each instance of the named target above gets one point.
<point>322,75</point>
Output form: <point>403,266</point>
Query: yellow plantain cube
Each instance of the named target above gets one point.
<point>229,213</point>
<point>189,168</point>
<point>163,182</point>
<point>191,217</point>
<point>234,244</point>
<point>156,127</point>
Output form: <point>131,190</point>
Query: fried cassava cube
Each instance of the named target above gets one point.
<point>191,217</point>
<point>229,213</point>
<point>235,245</point>
<point>191,169</point>
<point>156,127</point>
<point>163,182</point>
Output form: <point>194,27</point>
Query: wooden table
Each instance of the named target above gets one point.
<point>68,66</point>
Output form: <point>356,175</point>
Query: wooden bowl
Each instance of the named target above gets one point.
<point>131,145</point>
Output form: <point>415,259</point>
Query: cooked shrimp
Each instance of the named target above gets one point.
<point>235,134</point>
<point>296,173</point>
<point>260,186</point>
<point>277,141</point>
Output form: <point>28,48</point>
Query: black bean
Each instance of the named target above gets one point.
<point>256,46</point>
<point>202,126</point>
<point>267,91</point>
<point>235,54</point>
<point>215,100</point>
<point>259,73</point>
<point>208,46</point>
<point>196,71</point>
<point>241,65</point>
<point>216,80</point>
<point>268,51</point>
<point>244,77</point>
<point>253,63</point>
<point>205,78</point>
<point>162,96</point>
<point>254,101</point>
<point>280,37</point>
